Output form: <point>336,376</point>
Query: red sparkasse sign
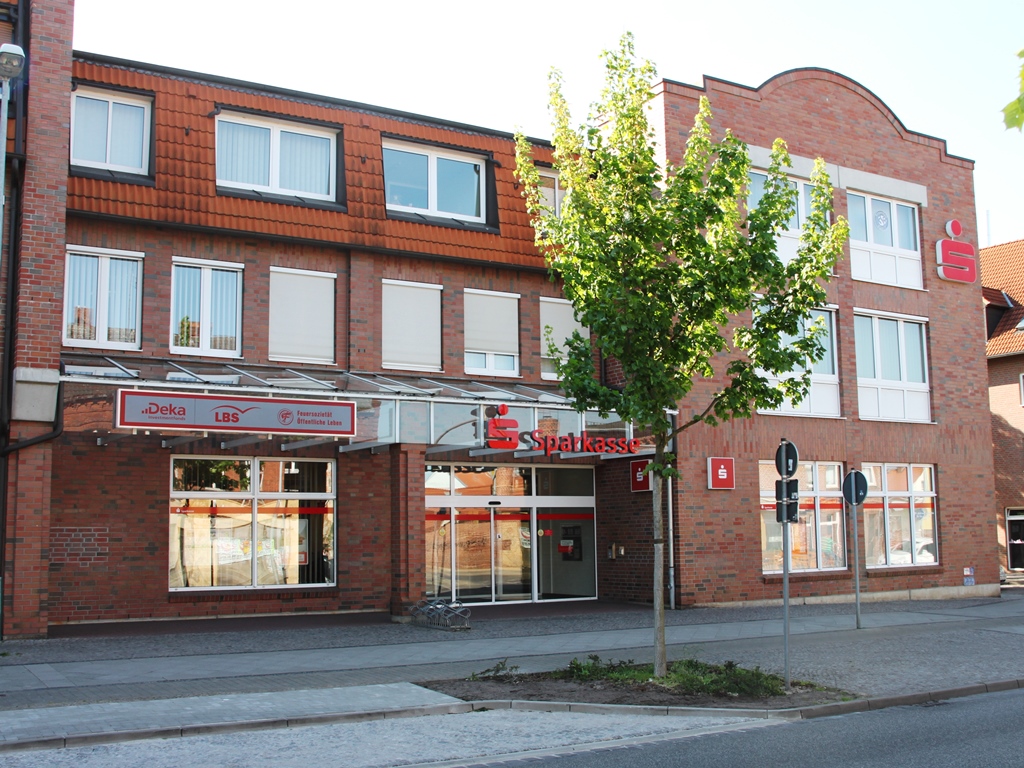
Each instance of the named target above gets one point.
<point>146,409</point>
<point>639,480</point>
<point>721,473</point>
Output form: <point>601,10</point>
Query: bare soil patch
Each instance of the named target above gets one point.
<point>541,687</point>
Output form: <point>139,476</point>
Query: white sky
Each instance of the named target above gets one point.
<point>945,68</point>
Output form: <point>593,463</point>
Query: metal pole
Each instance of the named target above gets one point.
<point>785,599</point>
<point>856,565</point>
<point>5,96</point>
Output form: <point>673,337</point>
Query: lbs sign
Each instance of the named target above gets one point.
<point>956,260</point>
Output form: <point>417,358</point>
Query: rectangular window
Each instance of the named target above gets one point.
<point>491,333</point>
<point>110,130</point>
<point>411,325</point>
<point>276,157</point>
<point>823,397</point>
<point>892,368</point>
<point>206,307</point>
<point>788,240</point>
<point>899,515</point>
<point>102,298</point>
<point>302,315</point>
<point>884,244</point>
<point>250,523</point>
<point>434,182</point>
<point>551,190</point>
<point>818,541</point>
<point>558,316</point>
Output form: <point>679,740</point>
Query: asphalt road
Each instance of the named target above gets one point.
<point>973,732</point>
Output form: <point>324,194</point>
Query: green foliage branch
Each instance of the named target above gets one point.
<point>1013,113</point>
<point>677,281</point>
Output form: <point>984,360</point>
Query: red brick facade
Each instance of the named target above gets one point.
<point>87,534</point>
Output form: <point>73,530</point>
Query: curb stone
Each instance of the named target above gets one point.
<point>797,713</point>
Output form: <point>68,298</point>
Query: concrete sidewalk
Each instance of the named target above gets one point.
<point>81,690</point>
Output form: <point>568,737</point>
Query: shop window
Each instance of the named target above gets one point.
<point>817,541</point>
<point>250,523</point>
<point>206,306</point>
<point>302,316</point>
<point>276,157</point>
<point>110,130</point>
<point>491,333</point>
<point>900,515</point>
<point>892,368</point>
<point>419,179</point>
<point>823,397</point>
<point>556,315</point>
<point>411,325</point>
<point>102,298</point>
<point>884,242</point>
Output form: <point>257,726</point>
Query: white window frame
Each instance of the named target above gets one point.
<point>114,97</point>
<point>823,399</point>
<point>276,127</point>
<point>813,497</point>
<point>404,365</point>
<point>880,263</point>
<point>557,193</point>
<point>103,256</point>
<point>788,237</point>
<point>206,309</point>
<point>885,494</point>
<point>491,357</point>
<point>872,393</point>
<point>433,154</point>
<point>553,375</point>
<point>333,321</point>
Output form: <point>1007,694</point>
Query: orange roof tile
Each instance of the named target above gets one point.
<point>1002,271</point>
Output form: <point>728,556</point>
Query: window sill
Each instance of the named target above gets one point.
<point>234,594</point>
<point>803,415</point>
<point>898,421</point>
<point>301,360</point>
<point>104,174</point>
<point>889,285</point>
<point>882,571</point>
<point>400,367</point>
<point>442,221</point>
<point>205,353</point>
<point>803,576</point>
<point>269,197</point>
<point>79,344</point>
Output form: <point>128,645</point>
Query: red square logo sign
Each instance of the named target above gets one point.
<point>721,474</point>
<point>638,480</point>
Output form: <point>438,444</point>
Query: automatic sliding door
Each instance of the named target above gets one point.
<point>473,567</point>
<point>513,571</point>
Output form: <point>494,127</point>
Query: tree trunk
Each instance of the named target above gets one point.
<point>657,483</point>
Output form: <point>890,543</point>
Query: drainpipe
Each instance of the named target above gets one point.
<point>671,552</point>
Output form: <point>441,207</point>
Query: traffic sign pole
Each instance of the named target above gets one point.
<point>786,461</point>
<point>855,490</point>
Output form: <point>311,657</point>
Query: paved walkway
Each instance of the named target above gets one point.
<point>171,682</point>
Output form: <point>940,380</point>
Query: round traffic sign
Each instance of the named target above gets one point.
<point>855,487</point>
<point>786,459</point>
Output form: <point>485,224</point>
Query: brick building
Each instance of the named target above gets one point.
<point>285,353</point>
<point>1004,316</point>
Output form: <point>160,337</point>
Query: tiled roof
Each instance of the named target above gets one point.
<point>1002,271</point>
<point>996,297</point>
<point>185,189</point>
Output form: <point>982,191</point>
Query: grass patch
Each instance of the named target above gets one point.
<point>687,676</point>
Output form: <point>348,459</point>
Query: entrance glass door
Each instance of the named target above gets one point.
<point>473,555</point>
<point>513,565</point>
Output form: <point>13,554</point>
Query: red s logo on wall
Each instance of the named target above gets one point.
<point>502,434</point>
<point>956,260</point>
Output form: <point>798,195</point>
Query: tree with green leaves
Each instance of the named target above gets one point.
<point>677,281</point>
<point>1013,113</point>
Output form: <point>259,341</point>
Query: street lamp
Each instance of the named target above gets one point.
<point>12,61</point>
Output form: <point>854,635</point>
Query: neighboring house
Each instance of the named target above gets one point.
<point>1003,278</point>
<point>278,353</point>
